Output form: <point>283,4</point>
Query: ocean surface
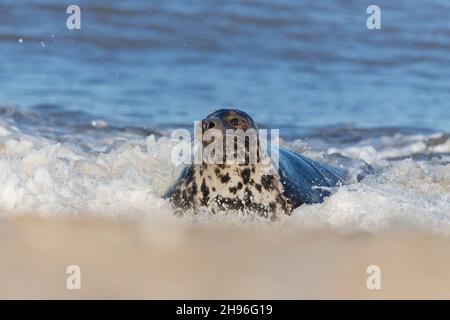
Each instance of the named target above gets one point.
<point>85,114</point>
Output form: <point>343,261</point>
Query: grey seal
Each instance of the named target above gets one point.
<point>247,186</point>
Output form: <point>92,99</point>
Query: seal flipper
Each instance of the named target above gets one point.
<point>182,198</point>
<point>303,177</point>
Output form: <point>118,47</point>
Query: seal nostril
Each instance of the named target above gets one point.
<point>211,125</point>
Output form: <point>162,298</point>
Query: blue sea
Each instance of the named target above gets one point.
<point>295,64</point>
<point>80,110</point>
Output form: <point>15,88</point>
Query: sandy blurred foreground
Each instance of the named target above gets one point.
<point>148,259</point>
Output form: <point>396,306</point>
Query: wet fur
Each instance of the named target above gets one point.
<point>230,187</point>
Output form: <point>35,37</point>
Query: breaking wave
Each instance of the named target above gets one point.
<point>125,175</point>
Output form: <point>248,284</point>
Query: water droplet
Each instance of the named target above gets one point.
<point>99,123</point>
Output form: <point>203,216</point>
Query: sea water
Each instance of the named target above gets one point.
<point>83,111</point>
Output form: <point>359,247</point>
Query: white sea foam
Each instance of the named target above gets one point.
<point>42,176</point>
<point>46,177</point>
<point>406,192</point>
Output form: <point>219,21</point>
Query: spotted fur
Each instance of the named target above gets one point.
<point>231,187</point>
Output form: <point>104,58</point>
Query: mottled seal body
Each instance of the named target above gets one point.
<point>297,180</point>
<point>229,187</point>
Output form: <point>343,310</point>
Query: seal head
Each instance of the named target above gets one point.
<point>223,119</point>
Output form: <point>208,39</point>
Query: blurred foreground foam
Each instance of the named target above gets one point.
<point>154,259</point>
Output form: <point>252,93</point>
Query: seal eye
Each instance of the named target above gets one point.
<point>211,125</point>
<point>235,122</point>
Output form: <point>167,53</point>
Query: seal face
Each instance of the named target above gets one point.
<point>248,186</point>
